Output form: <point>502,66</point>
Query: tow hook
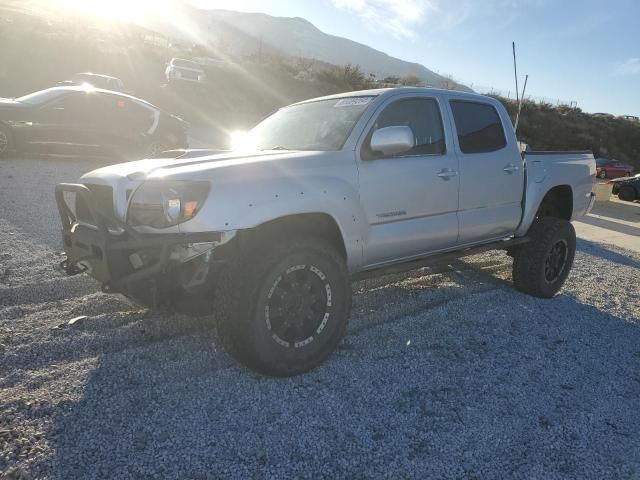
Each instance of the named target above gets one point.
<point>72,268</point>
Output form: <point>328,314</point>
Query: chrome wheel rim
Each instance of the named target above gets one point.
<point>298,306</point>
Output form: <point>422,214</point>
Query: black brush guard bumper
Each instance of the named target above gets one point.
<point>104,253</point>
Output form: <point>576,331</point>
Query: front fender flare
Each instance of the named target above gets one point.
<point>231,208</point>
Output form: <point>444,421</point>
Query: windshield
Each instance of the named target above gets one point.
<point>185,64</point>
<point>320,125</point>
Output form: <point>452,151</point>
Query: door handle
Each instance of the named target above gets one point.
<point>511,168</point>
<point>447,174</point>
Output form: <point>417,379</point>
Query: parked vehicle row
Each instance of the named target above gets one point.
<point>611,168</point>
<point>177,70</point>
<point>92,113</point>
<point>85,120</point>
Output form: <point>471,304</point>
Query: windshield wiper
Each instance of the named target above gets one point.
<point>276,147</point>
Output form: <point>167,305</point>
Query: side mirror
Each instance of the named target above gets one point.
<point>392,140</point>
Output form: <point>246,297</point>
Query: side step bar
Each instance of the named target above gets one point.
<point>438,258</point>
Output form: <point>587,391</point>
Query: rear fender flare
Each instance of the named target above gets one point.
<point>536,193</point>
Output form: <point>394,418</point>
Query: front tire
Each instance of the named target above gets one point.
<point>602,174</point>
<point>541,266</point>
<point>286,309</point>
<point>628,194</point>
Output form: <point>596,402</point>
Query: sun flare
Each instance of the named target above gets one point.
<point>119,10</point>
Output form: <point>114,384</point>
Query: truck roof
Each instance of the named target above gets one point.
<point>382,92</point>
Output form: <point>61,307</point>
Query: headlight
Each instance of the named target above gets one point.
<point>162,204</point>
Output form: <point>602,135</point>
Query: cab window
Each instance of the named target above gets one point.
<point>479,127</point>
<point>70,108</point>
<point>422,115</point>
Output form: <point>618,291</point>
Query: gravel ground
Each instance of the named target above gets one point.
<point>446,374</point>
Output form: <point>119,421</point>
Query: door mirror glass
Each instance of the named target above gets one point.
<point>392,140</point>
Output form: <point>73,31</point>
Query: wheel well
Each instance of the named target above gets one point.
<point>558,202</point>
<point>321,225</point>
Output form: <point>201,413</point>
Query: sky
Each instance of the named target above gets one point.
<point>584,51</point>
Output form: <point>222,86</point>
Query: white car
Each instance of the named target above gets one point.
<point>179,69</point>
<point>269,237</point>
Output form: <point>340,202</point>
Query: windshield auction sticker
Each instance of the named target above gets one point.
<point>352,102</point>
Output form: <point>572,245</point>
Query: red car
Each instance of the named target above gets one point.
<point>609,168</point>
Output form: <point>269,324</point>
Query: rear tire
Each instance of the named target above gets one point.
<point>628,194</point>
<point>283,310</point>
<point>602,174</point>
<point>541,266</point>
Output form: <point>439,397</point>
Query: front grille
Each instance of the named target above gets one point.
<point>103,200</point>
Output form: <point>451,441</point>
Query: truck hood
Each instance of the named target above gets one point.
<point>157,168</point>
<point>126,177</point>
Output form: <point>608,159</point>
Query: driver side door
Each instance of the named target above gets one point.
<point>411,199</point>
<point>64,125</point>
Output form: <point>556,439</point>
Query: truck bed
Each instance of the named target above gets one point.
<point>547,169</point>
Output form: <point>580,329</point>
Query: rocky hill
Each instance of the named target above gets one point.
<point>545,127</point>
<point>242,34</point>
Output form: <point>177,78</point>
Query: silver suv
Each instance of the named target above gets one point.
<point>179,69</point>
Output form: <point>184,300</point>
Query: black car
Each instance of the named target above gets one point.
<point>74,120</point>
<point>627,189</point>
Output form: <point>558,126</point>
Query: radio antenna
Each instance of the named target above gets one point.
<point>524,89</point>
<point>515,70</point>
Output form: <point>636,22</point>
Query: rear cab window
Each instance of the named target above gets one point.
<point>478,126</point>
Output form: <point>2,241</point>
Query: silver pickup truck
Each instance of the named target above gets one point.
<point>268,237</point>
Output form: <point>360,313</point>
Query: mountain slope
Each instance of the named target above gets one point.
<point>298,37</point>
<point>245,33</point>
